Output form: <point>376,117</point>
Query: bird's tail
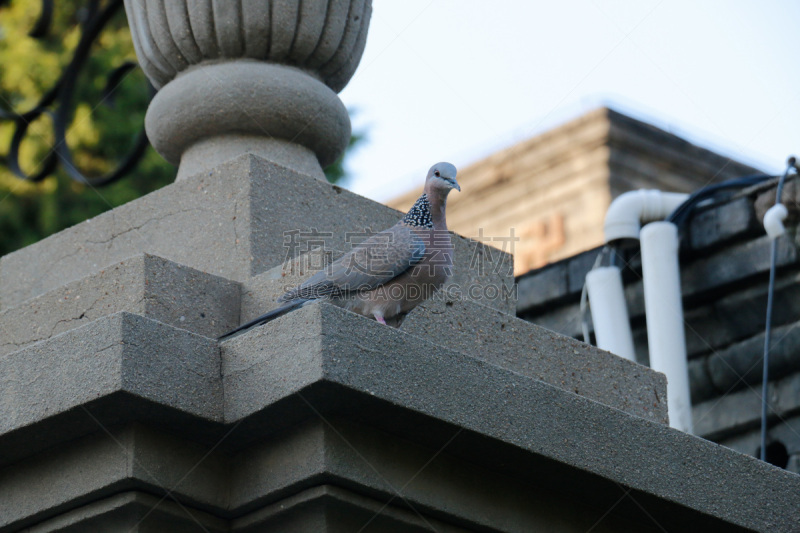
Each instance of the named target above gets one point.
<point>266,317</point>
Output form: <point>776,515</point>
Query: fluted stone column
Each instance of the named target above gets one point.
<point>257,76</point>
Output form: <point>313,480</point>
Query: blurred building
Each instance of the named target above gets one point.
<point>552,191</point>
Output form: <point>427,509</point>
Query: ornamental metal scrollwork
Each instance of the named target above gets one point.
<point>57,102</point>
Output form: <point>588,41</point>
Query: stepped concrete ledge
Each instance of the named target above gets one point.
<point>130,511</point>
<point>322,396</point>
<point>238,220</point>
<point>449,319</point>
<point>323,508</point>
<point>143,284</point>
<point>115,369</point>
<point>483,399</point>
<point>509,342</point>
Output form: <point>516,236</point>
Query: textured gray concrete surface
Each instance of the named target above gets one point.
<point>103,464</point>
<point>320,509</point>
<point>482,398</point>
<point>120,352</point>
<point>267,483</point>
<point>433,477</point>
<point>243,218</point>
<point>133,512</point>
<point>34,490</point>
<point>144,284</point>
<point>207,153</point>
<point>333,509</point>
<point>261,484</point>
<point>337,371</point>
<point>536,352</point>
<point>489,333</point>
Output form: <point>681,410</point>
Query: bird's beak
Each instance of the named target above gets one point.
<point>456,186</point>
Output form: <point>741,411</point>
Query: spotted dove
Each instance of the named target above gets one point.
<point>391,272</point>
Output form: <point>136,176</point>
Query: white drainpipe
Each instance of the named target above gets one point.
<point>667,345</point>
<point>630,210</point>
<point>663,305</point>
<point>612,327</point>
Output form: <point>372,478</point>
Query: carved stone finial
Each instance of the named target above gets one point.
<point>255,76</point>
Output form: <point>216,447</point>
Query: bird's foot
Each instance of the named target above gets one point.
<point>380,319</point>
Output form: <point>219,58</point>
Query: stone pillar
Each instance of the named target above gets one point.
<point>120,410</point>
<point>245,76</point>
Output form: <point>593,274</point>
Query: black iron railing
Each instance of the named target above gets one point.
<point>58,101</point>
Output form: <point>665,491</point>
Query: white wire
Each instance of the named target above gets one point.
<point>768,329</point>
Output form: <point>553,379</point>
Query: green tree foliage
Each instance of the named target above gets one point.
<point>100,134</point>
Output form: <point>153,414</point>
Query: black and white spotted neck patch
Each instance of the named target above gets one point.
<point>420,213</point>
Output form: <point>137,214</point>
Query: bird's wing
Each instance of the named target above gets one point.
<point>378,259</point>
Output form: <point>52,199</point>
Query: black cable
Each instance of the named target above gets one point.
<point>682,212</point>
<point>768,329</point>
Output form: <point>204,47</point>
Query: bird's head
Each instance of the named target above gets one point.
<point>442,177</point>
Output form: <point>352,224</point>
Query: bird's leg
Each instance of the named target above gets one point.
<point>380,318</point>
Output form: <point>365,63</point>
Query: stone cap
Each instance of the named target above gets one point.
<point>347,366</point>
<point>232,222</point>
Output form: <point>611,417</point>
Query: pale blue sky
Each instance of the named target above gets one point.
<point>456,80</point>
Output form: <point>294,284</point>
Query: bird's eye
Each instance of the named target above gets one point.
<point>436,173</point>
